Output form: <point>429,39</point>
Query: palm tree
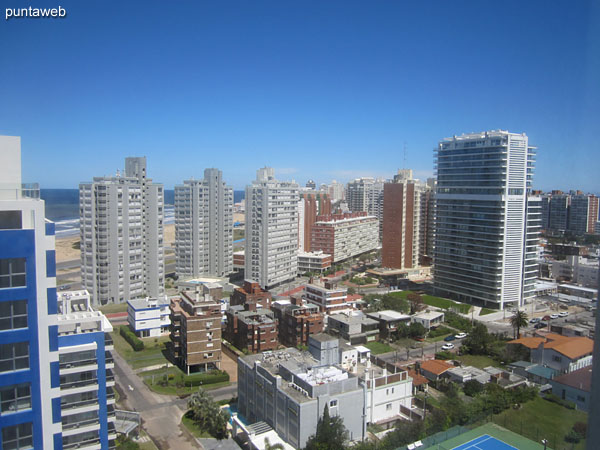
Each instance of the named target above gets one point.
<point>518,321</point>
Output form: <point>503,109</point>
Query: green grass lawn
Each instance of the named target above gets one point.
<point>114,308</point>
<point>541,419</point>
<point>238,233</point>
<point>439,302</point>
<point>378,347</point>
<point>149,445</point>
<point>478,361</point>
<point>485,311</point>
<point>150,356</point>
<point>152,377</point>
<point>193,428</point>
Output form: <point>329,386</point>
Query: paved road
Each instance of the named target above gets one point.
<point>66,265</point>
<point>161,414</point>
<point>417,353</point>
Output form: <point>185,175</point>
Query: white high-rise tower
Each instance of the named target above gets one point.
<point>204,226</point>
<point>486,225</point>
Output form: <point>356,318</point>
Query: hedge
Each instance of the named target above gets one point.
<point>556,399</point>
<point>131,338</point>
<point>198,379</point>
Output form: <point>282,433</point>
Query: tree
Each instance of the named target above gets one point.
<point>417,330</point>
<point>479,341</point>
<point>416,302</point>
<point>207,414</point>
<point>330,435</point>
<point>472,388</point>
<point>518,321</point>
<point>351,291</point>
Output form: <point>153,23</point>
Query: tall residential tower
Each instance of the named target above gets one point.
<point>271,229</point>
<point>204,226</point>
<point>121,221</point>
<point>486,224</point>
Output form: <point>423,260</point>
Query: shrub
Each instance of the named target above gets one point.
<point>131,338</point>
<point>199,379</point>
<point>573,437</point>
<point>444,355</point>
<point>580,428</point>
<point>556,399</point>
<point>439,331</point>
<point>472,388</point>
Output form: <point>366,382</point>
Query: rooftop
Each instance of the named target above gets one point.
<point>579,379</point>
<point>389,315</point>
<point>436,366</point>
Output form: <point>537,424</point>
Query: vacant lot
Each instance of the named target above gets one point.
<point>438,302</point>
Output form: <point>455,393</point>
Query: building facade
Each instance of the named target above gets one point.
<point>346,235</point>
<point>315,262</point>
<point>271,230</point>
<point>327,296</point>
<point>366,194</point>
<point>122,249</point>
<point>204,226</point>
<point>149,317</point>
<point>583,213</point>
<point>310,205</point>
<point>196,331</point>
<point>486,224</point>
<point>251,296</point>
<point>297,320</point>
<point>255,330</point>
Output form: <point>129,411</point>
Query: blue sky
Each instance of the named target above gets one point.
<point>322,90</point>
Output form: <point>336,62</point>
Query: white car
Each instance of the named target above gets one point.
<point>461,335</point>
<point>447,346</point>
<point>563,313</point>
<point>554,316</point>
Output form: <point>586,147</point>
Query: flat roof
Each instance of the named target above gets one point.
<point>389,315</point>
<point>429,315</point>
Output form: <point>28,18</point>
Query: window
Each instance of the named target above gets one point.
<point>14,356</point>
<point>10,220</point>
<point>12,272</point>
<point>15,398</point>
<point>333,403</point>
<point>388,407</point>
<point>17,437</point>
<point>13,314</point>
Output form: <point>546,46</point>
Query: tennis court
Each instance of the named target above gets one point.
<point>485,442</point>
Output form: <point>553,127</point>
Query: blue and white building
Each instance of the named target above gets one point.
<point>149,317</point>
<point>32,380</point>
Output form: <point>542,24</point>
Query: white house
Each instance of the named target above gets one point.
<point>149,316</point>
<point>428,318</point>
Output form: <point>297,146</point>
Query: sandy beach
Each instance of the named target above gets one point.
<point>66,252</point>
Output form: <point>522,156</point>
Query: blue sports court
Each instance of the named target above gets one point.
<point>485,442</point>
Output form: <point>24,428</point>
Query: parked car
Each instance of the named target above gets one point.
<point>450,338</point>
<point>540,325</point>
<point>535,320</point>
<point>448,346</point>
<point>461,335</point>
<point>563,313</point>
<point>546,318</point>
<point>554,316</point>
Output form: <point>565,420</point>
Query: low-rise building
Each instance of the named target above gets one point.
<point>504,379</point>
<point>289,390</point>
<point>429,319</point>
<point>327,296</point>
<point>535,373</point>
<point>576,269</point>
<point>433,369</point>
<point>251,296</point>
<point>315,262</point>
<point>85,365</point>
<point>255,331</point>
<point>575,387</point>
<point>389,321</point>
<point>196,331</point>
<point>465,373</point>
<point>297,320</point>
<point>354,328</point>
<point>562,353</point>
<point>149,316</point>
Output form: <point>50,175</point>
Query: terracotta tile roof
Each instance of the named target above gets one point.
<point>353,297</point>
<point>579,379</point>
<point>529,342</point>
<point>572,347</point>
<point>418,380</point>
<point>436,366</point>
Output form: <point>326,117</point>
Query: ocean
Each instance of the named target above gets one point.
<point>62,207</point>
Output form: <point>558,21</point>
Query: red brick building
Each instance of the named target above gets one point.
<point>250,295</point>
<point>312,205</point>
<point>297,320</point>
<point>256,330</point>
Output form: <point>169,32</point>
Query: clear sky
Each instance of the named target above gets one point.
<point>317,89</point>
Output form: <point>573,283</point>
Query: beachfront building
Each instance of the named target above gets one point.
<point>121,223</point>
<point>204,227</point>
<point>149,317</point>
<point>271,230</point>
<point>345,235</point>
<point>486,223</point>
<point>35,410</point>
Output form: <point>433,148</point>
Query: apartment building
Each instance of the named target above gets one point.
<point>486,223</point>
<point>327,296</point>
<point>149,317</point>
<point>558,218</point>
<point>251,296</point>
<point>315,262</point>
<point>583,213</point>
<point>366,194</point>
<point>122,250</point>
<point>310,206</point>
<point>289,390</point>
<point>196,331</point>
<point>579,270</point>
<point>345,235</point>
<point>36,409</point>
<point>271,230</point>
<point>253,330</point>
<point>204,226</point>
<point>297,320</point>
<point>354,328</point>
<point>87,397</point>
